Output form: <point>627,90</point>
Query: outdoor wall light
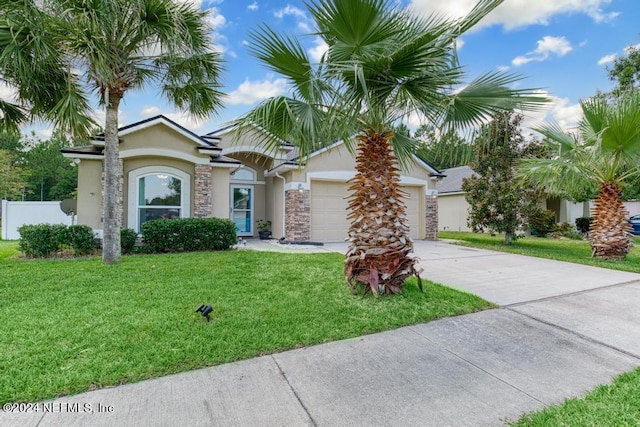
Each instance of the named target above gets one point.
<point>205,310</point>
<point>300,188</point>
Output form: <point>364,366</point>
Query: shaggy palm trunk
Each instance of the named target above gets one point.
<point>111,209</point>
<point>610,233</point>
<point>379,253</point>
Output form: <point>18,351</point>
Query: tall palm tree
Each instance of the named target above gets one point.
<point>110,47</point>
<point>604,153</point>
<point>382,64</point>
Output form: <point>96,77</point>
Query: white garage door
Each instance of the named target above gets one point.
<point>329,211</point>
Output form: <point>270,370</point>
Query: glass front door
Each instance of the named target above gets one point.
<point>242,209</point>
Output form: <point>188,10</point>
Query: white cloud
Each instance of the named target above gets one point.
<point>150,111</point>
<point>8,93</point>
<point>628,48</point>
<point>183,118</point>
<point>503,68</point>
<point>290,10</point>
<point>215,19</point>
<point>318,50</point>
<point>518,13</point>
<point>558,110</point>
<point>253,6</point>
<point>547,46</point>
<point>250,92</point>
<point>45,133</point>
<point>607,59</point>
<point>297,13</point>
<point>459,43</point>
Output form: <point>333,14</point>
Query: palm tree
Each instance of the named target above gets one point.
<point>108,48</point>
<point>31,64</point>
<point>382,64</point>
<point>604,153</point>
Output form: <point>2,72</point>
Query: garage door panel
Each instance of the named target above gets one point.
<point>329,210</point>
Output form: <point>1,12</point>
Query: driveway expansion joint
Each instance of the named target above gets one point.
<point>571,294</point>
<point>456,355</point>
<point>295,393</point>
<point>577,334</point>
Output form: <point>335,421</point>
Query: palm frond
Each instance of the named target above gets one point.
<point>489,94</point>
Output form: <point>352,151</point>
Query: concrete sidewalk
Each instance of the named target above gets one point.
<point>480,369</point>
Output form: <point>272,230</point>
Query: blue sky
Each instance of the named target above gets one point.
<point>560,46</point>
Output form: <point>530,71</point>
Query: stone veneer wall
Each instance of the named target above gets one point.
<point>203,190</point>
<point>298,215</point>
<point>431,223</point>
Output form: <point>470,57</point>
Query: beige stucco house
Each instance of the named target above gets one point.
<point>169,171</point>
<point>453,209</point>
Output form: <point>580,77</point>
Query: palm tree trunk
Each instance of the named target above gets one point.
<point>111,209</point>
<point>378,257</point>
<point>610,233</point>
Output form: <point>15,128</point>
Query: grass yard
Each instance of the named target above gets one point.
<point>576,251</point>
<point>607,405</point>
<point>67,326</point>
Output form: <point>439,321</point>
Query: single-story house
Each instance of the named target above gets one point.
<point>169,171</point>
<point>453,209</point>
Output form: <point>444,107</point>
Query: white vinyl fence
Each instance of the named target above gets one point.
<point>633,207</point>
<point>16,214</point>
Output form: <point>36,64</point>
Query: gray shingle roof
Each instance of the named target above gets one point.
<point>453,182</point>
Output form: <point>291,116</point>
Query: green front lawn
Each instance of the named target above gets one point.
<point>576,251</point>
<point>607,405</point>
<point>68,326</point>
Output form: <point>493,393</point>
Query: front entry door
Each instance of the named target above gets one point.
<point>242,209</point>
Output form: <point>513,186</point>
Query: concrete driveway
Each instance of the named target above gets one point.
<point>563,329</point>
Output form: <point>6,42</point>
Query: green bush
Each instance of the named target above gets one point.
<point>42,240</point>
<point>128,239</point>
<point>188,234</point>
<point>542,222</point>
<point>583,224</point>
<point>80,238</point>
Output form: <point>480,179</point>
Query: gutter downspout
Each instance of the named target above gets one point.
<point>284,206</point>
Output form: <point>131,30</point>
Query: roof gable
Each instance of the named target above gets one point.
<point>154,121</point>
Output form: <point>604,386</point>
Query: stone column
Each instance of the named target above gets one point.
<point>431,212</point>
<point>297,215</point>
<point>203,190</point>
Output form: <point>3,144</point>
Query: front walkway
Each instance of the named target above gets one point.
<point>479,369</point>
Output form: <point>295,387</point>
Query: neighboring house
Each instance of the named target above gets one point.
<point>169,171</point>
<point>453,209</point>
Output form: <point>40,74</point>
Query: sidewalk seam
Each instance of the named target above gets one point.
<point>479,368</point>
<point>577,334</point>
<point>304,407</point>
<point>570,294</point>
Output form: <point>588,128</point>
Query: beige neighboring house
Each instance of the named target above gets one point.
<point>453,209</point>
<point>169,171</point>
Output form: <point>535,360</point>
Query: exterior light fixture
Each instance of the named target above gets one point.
<point>205,310</point>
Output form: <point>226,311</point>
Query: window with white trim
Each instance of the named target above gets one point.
<point>157,192</point>
<point>244,174</point>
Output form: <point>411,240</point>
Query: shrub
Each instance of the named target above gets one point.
<point>188,234</point>
<point>583,224</point>
<point>80,238</point>
<point>42,240</point>
<point>128,239</point>
<point>542,221</point>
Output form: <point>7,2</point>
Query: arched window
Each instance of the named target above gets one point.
<point>157,193</point>
<point>244,174</point>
